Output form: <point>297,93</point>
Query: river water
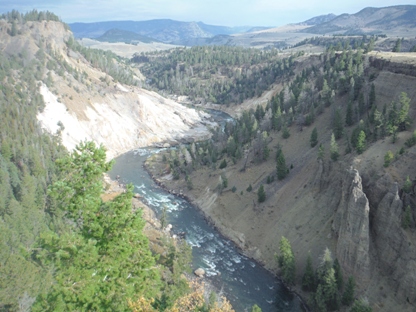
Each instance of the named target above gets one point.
<point>243,281</point>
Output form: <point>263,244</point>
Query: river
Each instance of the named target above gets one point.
<point>243,281</point>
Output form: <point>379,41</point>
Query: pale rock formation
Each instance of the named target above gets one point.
<point>353,228</point>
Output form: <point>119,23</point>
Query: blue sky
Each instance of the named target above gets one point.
<point>216,12</point>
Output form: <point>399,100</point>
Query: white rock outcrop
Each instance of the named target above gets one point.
<point>126,119</point>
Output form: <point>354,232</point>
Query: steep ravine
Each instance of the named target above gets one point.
<point>324,204</point>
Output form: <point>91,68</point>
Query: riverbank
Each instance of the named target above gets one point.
<point>165,181</point>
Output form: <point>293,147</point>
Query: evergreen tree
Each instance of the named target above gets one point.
<point>349,120</point>
<point>334,148</point>
<point>308,279</point>
<point>398,45</point>
<point>285,132</point>
<point>314,137</point>
<point>286,261</point>
<point>361,305</point>
<point>338,274</point>
<point>281,168</point>
<point>403,116</point>
<point>372,96</point>
<point>388,158</point>
<point>321,152</point>
<point>106,254</point>
<point>361,142</point>
<point>407,218</point>
<point>407,186</point>
<point>255,308</point>
<point>261,194</point>
<point>348,295</point>
<point>338,125</point>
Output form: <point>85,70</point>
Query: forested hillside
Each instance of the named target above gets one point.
<point>317,164</point>
<point>219,74</point>
<point>62,247</point>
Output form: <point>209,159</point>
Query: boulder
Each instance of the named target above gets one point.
<point>199,272</point>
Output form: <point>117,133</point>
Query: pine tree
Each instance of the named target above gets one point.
<point>314,137</point>
<point>321,152</point>
<point>349,120</point>
<point>105,235</point>
<point>407,186</point>
<point>338,274</point>
<point>372,96</point>
<point>338,125</point>
<point>285,132</point>
<point>333,149</point>
<point>281,168</point>
<point>348,295</point>
<point>403,116</point>
<point>361,142</point>
<point>407,218</point>
<point>255,308</point>
<point>308,279</point>
<point>361,305</point>
<point>286,261</point>
<point>388,158</point>
<point>398,45</point>
<point>261,194</point>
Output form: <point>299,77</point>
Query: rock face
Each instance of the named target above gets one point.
<point>124,120</point>
<point>395,251</point>
<point>353,228</point>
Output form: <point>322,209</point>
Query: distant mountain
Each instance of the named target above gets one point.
<point>164,30</point>
<point>118,35</point>
<point>258,28</point>
<point>393,20</point>
<point>319,19</point>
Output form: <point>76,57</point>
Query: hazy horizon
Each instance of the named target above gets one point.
<point>215,12</point>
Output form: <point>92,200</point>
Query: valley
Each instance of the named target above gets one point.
<point>314,177</point>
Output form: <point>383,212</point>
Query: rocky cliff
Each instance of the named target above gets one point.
<point>84,103</point>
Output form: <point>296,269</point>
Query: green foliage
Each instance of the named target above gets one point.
<point>308,279</point>
<point>163,217</point>
<point>286,261</point>
<point>407,217</point>
<point>388,158</point>
<point>285,132</point>
<point>361,305</point>
<point>348,295</point>
<point>314,137</point>
<point>407,186</point>
<point>281,168</point>
<point>338,274</point>
<point>321,152</point>
<point>349,119</point>
<point>261,194</point>
<point>333,149</point>
<point>224,181</point>
<point>361,142</point>
<point>26,168</point>
<point>255,308</point>
<point>219,74</point>
<point>106,253</point>
<point>338,125</point>
<point>397,46</point>
<point>372,96</point>
<point>223,164</point>
<point>412,140</point>
<point>249,189</point>
<point>326,296</point>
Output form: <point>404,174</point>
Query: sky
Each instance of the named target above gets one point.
<point>215,12</point>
